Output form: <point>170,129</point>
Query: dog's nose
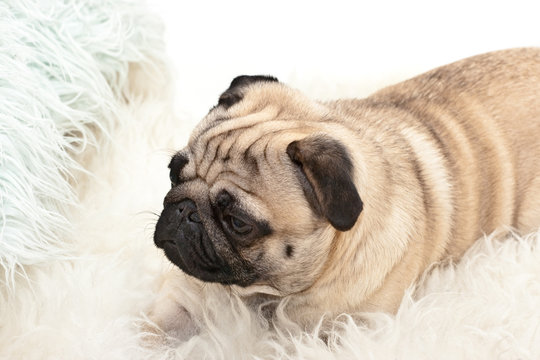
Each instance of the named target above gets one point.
<point>177,223</point>
<point>186,209</point>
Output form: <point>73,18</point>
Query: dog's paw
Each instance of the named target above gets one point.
<point>167,327</point>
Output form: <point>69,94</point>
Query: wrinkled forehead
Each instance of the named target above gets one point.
<point>242,149</point>
<point>227,162</point>
<point>206,194</point>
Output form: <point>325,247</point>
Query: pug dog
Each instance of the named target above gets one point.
<point>340,206</point>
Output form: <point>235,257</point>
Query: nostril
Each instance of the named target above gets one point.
<point>194,216</point>
<point>186,205</point>
<point>187,210</point>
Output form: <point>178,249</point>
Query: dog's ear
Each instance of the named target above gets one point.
<point>325,171</point>
<point>234,94</point>
<point>178,161</point>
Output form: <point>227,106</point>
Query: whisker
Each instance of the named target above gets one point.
<point>147,212</point>
<point>150,227</point>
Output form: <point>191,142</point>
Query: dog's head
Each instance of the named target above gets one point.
<point>260,192</point>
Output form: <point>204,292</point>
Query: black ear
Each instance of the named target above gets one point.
<point>176,165</point>
<point>325,171</point>
<point>233,94</point>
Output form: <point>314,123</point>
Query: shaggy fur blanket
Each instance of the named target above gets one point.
<point>86,132</point>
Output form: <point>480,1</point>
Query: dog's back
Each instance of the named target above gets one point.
<point>491,118</point>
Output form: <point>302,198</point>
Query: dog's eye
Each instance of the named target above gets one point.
<point>239,226</point>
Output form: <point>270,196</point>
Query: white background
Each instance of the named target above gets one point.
<point>346,44</point>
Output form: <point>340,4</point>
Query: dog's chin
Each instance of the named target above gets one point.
<point>202,270</point>
<point>256,289</point>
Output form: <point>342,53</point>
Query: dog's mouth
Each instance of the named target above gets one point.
<point>201,267</point>
<point>191,260</point>
<point>188,246</point>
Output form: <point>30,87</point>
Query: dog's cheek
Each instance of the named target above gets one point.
<point>281,257</point>
<point>261,256</point>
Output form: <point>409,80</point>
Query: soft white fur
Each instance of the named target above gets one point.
<point>63,71</point>
<point>94,304</point>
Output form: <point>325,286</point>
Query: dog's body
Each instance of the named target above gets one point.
<point>341,205</point>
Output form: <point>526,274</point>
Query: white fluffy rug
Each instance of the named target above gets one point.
<point>91,303</point>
